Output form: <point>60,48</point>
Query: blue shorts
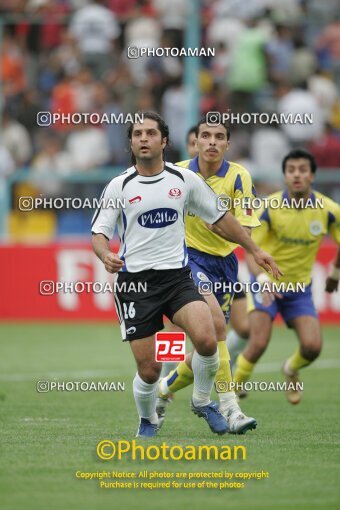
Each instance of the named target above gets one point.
<point>290,306</point>
<point>208,270</point>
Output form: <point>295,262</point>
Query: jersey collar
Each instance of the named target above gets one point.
<point>193,165</point>
<point>285,196</point>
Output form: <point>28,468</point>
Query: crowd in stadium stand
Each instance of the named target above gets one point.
<point>70,56</point>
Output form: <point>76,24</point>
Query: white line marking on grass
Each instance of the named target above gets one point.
<point>321,364</point>
<point>261,368</point>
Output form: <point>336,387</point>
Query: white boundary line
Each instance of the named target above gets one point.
<point>262,368</point>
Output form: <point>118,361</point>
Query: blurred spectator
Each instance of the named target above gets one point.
<point>216,99</point>
<point>263,54</point>
<point>161,71</point>
<point>239,144</point>
<point>50,163</point>
<point>173,17</point>
<point>326,149</point>
<point>28,110</point>
<point>68,54</point>
<point>268,147</point>
<point>120,80</point>
<point>111,104</point>
<point>95,28</point>
<point>329,41</point>
<point>12,70</point>
<point>141,32</point>
<point>63,99</point>
<point>7,163</point>
<point>41,30</point>
<point>83,86</point>
<point>48,74</point>
<point>221,63</point>
<point>299,101</point>
<point>239,8</point>
<point>288,11</point>
<point>123,10</point>
<point>174,108</point>
<point>88,147</point>
<point>325,92</point>
<point>303,63</point>
<point>16,139</point>
<point>248,69</point>
<point>226,30</point>
<point>280,51</point>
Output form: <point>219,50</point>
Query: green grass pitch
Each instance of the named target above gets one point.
<point>46,437</point>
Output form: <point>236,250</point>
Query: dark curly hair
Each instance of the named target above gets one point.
<point>162,126</point>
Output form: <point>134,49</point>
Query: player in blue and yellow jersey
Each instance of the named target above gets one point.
<point>213,262</point>
<point>292,233</point>
<point>238,332</point>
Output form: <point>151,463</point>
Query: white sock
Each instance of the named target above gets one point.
<point>235,344</point>
<point>227,400</point>
<point>167,367</point>
<point>204,369</point>
<point>145,397</point>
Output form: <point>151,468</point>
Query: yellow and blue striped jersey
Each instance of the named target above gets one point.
<point>232,180</point>
<point>293,235</point>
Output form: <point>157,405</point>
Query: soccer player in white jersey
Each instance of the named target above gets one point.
<point>153,251</point>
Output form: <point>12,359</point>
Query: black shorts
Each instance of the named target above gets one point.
<point>142,298</point>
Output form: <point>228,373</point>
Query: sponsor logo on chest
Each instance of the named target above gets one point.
<point>158,218</point>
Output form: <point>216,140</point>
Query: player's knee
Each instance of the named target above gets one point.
<point>311,351</point>
<point>206,345</point>
<point>243,330</point>
<point>220,328</point>
<point>149,372</point>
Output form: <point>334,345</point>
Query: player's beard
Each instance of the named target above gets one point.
<point>148,159</point>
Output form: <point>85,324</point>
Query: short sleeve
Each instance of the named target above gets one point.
<point>333,212</point>
<point>202,200</point>
<point>105,218</point>
<point>244,193</point>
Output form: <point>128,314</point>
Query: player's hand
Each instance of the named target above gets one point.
<point>269,297</point>
<point>268,292</point>
<point>112,262</point>
<point>267,263</point>
<point>331,285</point>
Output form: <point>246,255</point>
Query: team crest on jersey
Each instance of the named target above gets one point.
<point>175,193</point>
<point>135,200</point>
<point>203,277</point>
<point>315,228</point>
<point>158,218</point>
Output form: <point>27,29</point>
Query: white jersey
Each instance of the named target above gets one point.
<point>151,223</point>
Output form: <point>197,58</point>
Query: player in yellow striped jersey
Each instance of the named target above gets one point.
<point>292,234</point>
<point>212,261</point>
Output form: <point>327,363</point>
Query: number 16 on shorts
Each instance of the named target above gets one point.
<point>170,346</point>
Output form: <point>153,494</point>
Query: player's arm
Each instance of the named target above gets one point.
<point>203,202</point>
<point>231,227</point>
<point>103,225</point>
<point>101,247</point>
<point>217,230</point>
<point>332,280</point>
<point>261,276</point>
